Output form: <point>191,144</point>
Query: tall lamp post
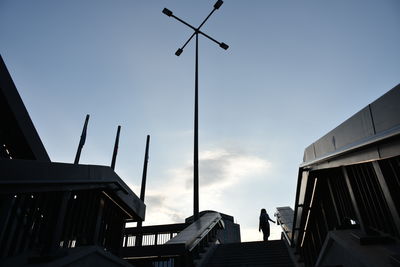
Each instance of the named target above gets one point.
<point>178,52</point>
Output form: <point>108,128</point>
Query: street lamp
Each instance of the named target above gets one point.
<point>178,52</point>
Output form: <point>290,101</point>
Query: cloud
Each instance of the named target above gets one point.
<point>225,168</point>
<point>172,201</point>
<point>155,200</point>
<point>222,168</point>
<point>162,210</point>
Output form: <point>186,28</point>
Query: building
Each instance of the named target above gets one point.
<point>347,200</point>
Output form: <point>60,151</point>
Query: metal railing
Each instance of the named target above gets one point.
<point>47,221</point>
<point>186,244</point>
<point>151,235</point>
<point>284,218</point>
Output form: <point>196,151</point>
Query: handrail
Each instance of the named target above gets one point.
<point>181,249</point>
<point>152,229</point>
<point>195,232</point>
<point>152,235</point>
<point>283,216</point>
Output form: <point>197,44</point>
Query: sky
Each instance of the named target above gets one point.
<point>293,72</point>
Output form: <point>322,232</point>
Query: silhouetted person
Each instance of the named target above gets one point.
<point>264,224</point>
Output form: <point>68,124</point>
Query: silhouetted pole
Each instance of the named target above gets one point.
<point>143,187</point>
<point>196,33</point>
<point>144,175</point>
<point>196,136</point>
<point>82,140</point>
<point>115,152</point>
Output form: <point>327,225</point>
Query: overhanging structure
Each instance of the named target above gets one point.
<point>348,191</point>
<point>46,206</point>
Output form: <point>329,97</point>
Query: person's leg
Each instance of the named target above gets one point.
<point>265,237</point>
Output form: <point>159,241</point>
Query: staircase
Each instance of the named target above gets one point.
<point>271,253</point>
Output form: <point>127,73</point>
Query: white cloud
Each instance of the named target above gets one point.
<point>220,169</point>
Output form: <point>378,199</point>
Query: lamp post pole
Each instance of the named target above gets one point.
<point>196,33</point>
<point>196,137</point>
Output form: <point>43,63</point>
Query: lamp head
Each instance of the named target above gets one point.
<point>224,46</point>
<point>178,52</point>
<point>218,4</point>
<point>167,12</point>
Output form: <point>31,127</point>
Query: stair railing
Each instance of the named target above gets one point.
<point>153,235</point>
<point>284,218</point>
<point>182,249</point>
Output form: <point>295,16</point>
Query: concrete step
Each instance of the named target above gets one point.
<point>271,253</point>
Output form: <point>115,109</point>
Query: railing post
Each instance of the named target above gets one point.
<point>96,233</point>
<point>126,240</point>
<point>59,222</point>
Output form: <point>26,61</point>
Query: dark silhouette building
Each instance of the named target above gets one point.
<point>48,208</point>
<point>348,192</point>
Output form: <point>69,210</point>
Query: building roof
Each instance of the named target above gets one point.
<point>18,135</point>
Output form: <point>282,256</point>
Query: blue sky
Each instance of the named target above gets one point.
<point>294,71</point>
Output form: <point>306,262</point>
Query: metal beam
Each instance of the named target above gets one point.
<point>59,223</point>
<point>333,199</point>
<point>144,174</point>
<point>387,195</point>
<point>82,140</point>
<point>353,199</point>
<point>115,152</point>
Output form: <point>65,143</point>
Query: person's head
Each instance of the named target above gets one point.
<point>263,211</point>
